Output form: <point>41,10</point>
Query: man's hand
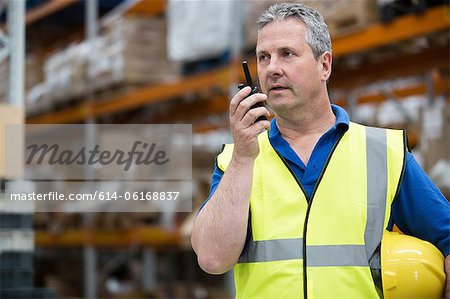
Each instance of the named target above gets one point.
<point>242,122</point>
<point>220,228</point>
<point>447,272</point>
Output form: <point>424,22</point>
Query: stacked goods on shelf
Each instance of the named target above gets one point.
<point>36,89</point>
<point>65,77</point>
<point>132,50</point>
<point>342,16</point>
<point>34,74</point>
<point>37,98</point>
<point>346,16</point>
<point>66,72</point>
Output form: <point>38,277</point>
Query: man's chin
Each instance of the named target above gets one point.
<point>280,108</point>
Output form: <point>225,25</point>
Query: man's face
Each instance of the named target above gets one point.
<point>287,70</point>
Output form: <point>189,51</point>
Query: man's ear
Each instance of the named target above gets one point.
<point>325,60</point>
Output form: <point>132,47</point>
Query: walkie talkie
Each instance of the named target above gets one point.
<point>255,89</point>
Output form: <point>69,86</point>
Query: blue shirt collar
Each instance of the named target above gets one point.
<point>342,121</point>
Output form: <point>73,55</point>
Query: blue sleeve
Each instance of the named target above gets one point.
<point>215,179</point>
<point>420,209</point>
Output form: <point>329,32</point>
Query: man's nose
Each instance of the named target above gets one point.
<point>274,68</point>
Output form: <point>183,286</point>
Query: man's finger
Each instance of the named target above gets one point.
<point>252,115</point>
<point>238,97</point>
<point>246,104</point>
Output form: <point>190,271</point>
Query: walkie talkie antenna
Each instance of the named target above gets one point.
<point>248,78</point>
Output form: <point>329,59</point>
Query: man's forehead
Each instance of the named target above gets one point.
<point>280,34</point>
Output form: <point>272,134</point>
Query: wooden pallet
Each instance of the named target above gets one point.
<point>348,17</point>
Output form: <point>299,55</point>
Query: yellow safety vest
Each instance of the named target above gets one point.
<point>321,246</point>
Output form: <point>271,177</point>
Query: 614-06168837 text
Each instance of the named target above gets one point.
<point>169,195</point>
<point>103,196</point>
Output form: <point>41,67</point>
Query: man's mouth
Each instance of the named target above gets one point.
<point>278,88</point>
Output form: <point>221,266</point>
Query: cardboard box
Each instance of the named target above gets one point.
<point>346,16</point>
<point>11,161</point>
<point>132,51</point>
<point>342,16</point>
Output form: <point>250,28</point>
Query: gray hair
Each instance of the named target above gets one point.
<point>317,34</point>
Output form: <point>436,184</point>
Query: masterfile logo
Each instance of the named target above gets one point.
<point>141,153</point>
<point>106,152</point>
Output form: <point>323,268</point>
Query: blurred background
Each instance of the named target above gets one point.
<point>165,62</point>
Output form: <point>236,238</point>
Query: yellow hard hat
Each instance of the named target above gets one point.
<point>411,268</point>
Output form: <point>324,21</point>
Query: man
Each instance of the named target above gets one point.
<point>300,209</point>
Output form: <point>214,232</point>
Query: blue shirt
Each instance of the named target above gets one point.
<point>420,209</point>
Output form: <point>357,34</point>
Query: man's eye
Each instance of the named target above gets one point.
<point>262,57</point>
<point>288,54</point>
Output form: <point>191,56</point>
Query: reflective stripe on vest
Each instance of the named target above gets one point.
<point>318,256</point>
<point>272,250</point>
<point>376,192</point>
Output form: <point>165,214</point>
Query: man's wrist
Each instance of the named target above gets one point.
<point>242,161</point>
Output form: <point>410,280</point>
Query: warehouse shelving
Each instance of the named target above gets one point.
<point>138,98</point>
<point>407,27</point>
<point>398,66</point>
<point>154,94</point>
<point>47,9</point>
<point>142,7</point>
<point>402,28</point>
<point>53,6</point>
<point>440,86</point>
<point>145,236</point>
